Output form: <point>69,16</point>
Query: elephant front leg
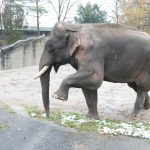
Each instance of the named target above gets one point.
<point>91,100</point>
<point>139,104</point>
<point>85,79</point>
<point>62,93</point>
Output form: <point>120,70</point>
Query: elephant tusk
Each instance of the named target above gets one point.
<point>43,70</point>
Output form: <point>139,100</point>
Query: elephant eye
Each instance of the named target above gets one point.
<point>67,37</point>
<point>50,47</point>
<point>51,50</point>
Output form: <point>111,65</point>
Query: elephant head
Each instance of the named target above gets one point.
<point>60,46</point>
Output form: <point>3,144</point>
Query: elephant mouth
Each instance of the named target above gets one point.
<point>56,67</point>
<point>42,71</point>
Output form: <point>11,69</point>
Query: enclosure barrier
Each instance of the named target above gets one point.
<point>22,53</point>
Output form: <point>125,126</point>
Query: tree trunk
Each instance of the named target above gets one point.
<point>37,15</point>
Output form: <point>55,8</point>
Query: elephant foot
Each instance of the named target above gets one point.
<point>47,114</point>
<point>47,111</point>
<point>60,95</point>
<point>137,113</point>
<point>92,116</point>
<point>147,105</point>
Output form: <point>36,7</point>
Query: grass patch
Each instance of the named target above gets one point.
<point>3,127</point>
<point>33,111</point>
<point>7,108</point>
<point>56,117</point>
<point>89,126</point>
<point>75,120</point>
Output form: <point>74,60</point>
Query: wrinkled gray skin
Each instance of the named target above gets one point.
<point>99,52</point>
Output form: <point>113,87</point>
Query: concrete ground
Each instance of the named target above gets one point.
<point>23,133</point>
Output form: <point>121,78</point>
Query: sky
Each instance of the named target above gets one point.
<point>49,19</point>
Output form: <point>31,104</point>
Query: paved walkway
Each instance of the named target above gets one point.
<point>27,134</point>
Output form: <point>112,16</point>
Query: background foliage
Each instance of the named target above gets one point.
<point>134,13</point>
<point>90,14</point>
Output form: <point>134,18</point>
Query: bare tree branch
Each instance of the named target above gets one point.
<point>63,8</point>
<point>1,24</point>
<point>116,10</point>
<point>53,7</point>
<point>68,8</point>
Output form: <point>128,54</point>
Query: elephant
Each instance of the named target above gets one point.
<point>99,52</point>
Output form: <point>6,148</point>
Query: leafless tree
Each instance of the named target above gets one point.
<point>37,10</point>
<point>116,10</point>
<point>62,8</point>
<point>1,6</point>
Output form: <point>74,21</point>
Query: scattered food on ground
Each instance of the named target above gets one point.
<point>103,126</point>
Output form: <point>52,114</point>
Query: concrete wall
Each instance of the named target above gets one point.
<point>22,53</point>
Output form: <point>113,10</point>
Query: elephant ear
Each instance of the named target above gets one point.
<point>73,36</point>
<point>73,43</point>
<point>70,32</point>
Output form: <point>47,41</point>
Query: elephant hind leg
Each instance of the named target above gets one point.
<point>147,102</point>
<point>139,103</point>
<point>142,100</point>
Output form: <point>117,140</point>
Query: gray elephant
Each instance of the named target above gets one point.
<point>99,52</point>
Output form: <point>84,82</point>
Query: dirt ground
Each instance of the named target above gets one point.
<point>18,89</point>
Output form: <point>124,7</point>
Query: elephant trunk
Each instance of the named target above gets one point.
<point>45,79</point>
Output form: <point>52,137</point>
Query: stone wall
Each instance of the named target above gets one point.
<point>22,53</point>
